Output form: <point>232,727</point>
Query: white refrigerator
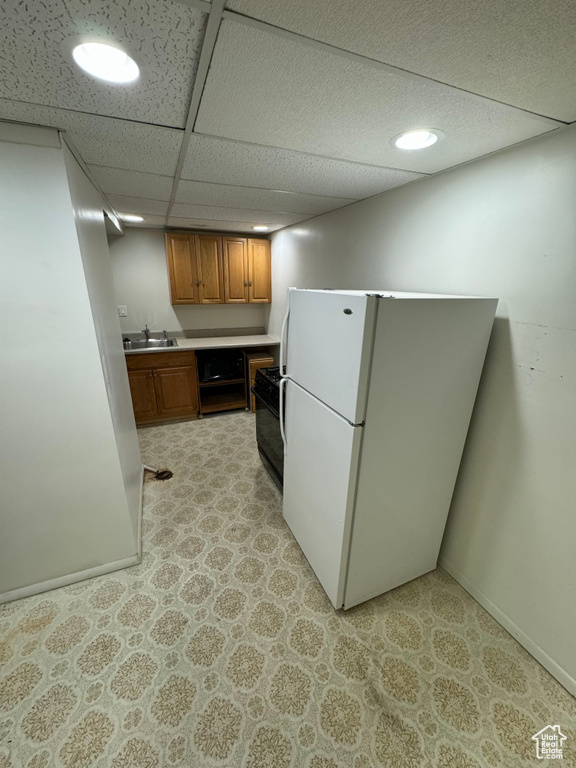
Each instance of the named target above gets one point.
<point>378,392</point>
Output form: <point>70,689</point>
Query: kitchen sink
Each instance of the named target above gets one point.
<point>150,343</point>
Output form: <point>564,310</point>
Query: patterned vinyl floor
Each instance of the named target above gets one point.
<point>221,649</point>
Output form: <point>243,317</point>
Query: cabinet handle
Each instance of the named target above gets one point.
<point>250,283</point>
<point>246,283</point>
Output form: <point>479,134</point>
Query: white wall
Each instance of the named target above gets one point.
<point>503,226</point>
<point>63,508</point>
<point>91,231</point>
<point>141,283</point>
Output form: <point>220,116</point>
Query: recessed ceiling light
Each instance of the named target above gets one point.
<point>419,139</point>
<point>106,62</point>
<point>131,218</point>
<point>260,228</point>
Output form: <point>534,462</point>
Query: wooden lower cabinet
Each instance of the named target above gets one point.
<point>143,394</point>
<point>164,386</point>
<point>176,391</point>
<point>255,360</point>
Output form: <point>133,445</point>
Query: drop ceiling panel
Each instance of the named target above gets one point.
<point>141,205</point>
<point>163,37</point>
<point>248,197</point>
<point>521,53</point>
<point>182,210</point>
<point>308,98</point>
<point>218,225</point>
<point>120,182</point>
<point>231,162</point>
<point>105,140</point>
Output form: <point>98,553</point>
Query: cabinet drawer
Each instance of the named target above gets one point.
<point>159,360</point>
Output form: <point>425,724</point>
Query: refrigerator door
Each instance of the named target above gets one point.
<point>320,469</point>
<point>329,347</point>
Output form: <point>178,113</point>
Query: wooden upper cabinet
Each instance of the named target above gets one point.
<point>181,256</point>
<point>259,271</point>
<point>209,269</point>
<point>235,270</point>
<point>218,269</point>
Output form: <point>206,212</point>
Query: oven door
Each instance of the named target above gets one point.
<point>269,439</point>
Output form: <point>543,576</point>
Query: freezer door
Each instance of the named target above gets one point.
<point>329,347</point>
<point>320,469</point>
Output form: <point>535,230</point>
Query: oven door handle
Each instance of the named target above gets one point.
<point>281,415</point>
<point>256,392</point>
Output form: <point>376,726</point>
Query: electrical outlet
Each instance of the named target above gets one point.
<point>122,310</point>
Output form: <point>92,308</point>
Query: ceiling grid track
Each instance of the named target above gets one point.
<point>285,111</point>
<point>208,45</point>
<point>107,207</point>
<point>303,154</point>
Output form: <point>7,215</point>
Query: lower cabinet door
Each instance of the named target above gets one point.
<point>176,393</point>
<point>143,394</point>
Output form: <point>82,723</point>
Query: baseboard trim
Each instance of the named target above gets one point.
<point>90,573</point>
<point>140,515</point>
<point>539,654</point>
<point>71,578</point>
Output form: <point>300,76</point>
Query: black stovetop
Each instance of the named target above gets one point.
<point>267,384</point>
<point>271,374</point>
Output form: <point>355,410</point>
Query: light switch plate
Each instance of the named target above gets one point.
<point>122,310</point>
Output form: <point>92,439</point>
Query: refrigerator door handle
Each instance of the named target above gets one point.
<point>281,416</point>
<point>283,334</point>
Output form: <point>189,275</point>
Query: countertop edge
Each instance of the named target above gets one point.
<point>214,342</point>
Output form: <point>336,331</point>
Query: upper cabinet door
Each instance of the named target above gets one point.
<point>259,269</point>
<point>209,265</point>
<point>235,270</point>
<point>181,257</point>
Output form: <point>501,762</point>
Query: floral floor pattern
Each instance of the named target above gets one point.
<point>221,649</point>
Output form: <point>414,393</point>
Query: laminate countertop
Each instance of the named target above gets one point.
<point>212,342</point>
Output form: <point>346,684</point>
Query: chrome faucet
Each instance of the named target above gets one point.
<point>146,332</point>
<point>165,335</point>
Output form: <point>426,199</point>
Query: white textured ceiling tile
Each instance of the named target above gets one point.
<point>229,162</point>
<point>182,210</point>
<point>133,183</point>
<point>249,197</point>
<point>349,108</point>
<point>163,37</point>
<point>218,225</point>
<point>521,53</point>
<point>138,205</point>
<point>105,140</point>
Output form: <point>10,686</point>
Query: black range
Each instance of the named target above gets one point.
<point>266,390</point>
